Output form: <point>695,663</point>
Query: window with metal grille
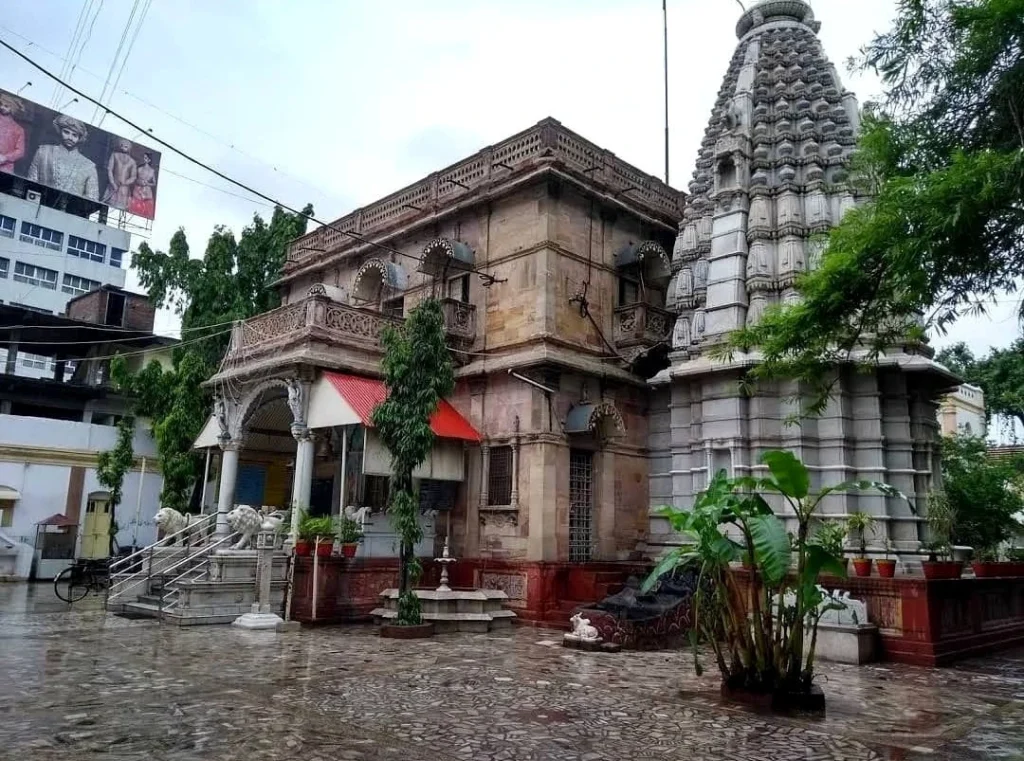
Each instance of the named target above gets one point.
<point>44,278</point>
<point>5,266</point>
<point>76,285</point>
<point>499,482</point>
<point>376,490</point>
<point>7,226</point>
<point>581,505</point>
<point>393,307</point>
<point>35,361</point>
<point>41,236</point>
<point>116,256</point>
<point>86,249</point>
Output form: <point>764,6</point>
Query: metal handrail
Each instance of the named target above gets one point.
<point>203,555</point>
<point>212,517</point>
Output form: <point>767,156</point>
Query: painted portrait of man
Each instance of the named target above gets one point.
<point>62,166</point>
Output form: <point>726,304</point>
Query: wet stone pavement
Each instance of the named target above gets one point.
<point>81,684</point>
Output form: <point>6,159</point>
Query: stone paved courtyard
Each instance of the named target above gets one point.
<point>84,685</point>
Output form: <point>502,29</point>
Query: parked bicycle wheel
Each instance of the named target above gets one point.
<point>71,585</point>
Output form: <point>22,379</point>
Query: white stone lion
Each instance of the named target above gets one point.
<point>170,521</point>
<point>582,629</point>
<point>248,521</point>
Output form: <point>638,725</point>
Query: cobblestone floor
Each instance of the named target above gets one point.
<point>84,685</point>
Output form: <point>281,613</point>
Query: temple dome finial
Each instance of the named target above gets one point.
<point>764,11</point>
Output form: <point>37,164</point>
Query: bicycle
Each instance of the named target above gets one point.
<point>75,582</point>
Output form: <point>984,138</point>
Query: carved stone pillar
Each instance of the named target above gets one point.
<point>302,477</point>
<point>485,474</point>
<point>514,499</point>
<point>228,478</point>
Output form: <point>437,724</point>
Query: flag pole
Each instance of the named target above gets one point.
<point>664,12</point>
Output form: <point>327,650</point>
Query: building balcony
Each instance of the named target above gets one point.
<point>459,321</point>
<point>642,326</point>
<point>316,319</point>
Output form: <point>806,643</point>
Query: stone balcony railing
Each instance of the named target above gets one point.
<point>316,318</point>
<point>548,141</point>
<point>642,325</point>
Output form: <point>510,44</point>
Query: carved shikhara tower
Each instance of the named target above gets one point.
<point>771,178</point>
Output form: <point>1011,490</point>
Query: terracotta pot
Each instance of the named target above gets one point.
<point>303,549</point>
<point>987,569</point>
<point>886,567</point>
<point>325,549</point>
<point>862,566</point>
<point>942,569</point>
<point>393,631</point>
<point>349,550</point>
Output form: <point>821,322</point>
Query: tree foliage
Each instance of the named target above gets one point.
<point>113,465</point>
<point>983,493</point>
<point>1000,375</point>
<point>418,373</point>
<point>941,164</point>
<point>232,281</point>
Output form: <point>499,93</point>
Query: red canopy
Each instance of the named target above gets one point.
<point>58,520</point>
<point>364,394</point>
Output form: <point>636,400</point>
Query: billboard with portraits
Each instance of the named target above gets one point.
<point>65,154</point>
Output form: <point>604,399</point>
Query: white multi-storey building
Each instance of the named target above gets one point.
<point>49,256</point>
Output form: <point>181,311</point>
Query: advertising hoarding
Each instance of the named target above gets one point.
<point>63,153</point>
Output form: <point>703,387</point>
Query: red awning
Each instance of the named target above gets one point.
<point>364,394</point>
<point>58,520</point>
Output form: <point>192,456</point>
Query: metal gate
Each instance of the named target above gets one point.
<point>581,505</point>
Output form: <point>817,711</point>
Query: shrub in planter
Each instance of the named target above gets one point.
<point>319,533</point>
<point>349,536</point>
<point>941,522</point>
<point>986,564</point>
<point>861,523</point>
<point>755,624</point>
<point>887,565</point>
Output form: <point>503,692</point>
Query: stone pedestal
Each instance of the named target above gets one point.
<point>261,617</point>
<point>856,644</point>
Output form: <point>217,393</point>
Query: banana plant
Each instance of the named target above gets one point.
<point>755,625</point>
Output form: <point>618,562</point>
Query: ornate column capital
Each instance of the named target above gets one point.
<point>301,432</point>
<point>230,443</point>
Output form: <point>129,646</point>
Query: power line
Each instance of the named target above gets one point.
<point>219,190</point>
<point>108,328</point>
<point>488,278</point>
<point>223,141</point>
<point>117,54</point>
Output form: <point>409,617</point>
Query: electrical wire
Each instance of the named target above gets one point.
<point>487,277</point>
<point>124,62</point>
<point>117,54</point>
<point>113,327</point>
<point>148,351</point>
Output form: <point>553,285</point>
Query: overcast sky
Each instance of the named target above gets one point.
<point>340,102</point>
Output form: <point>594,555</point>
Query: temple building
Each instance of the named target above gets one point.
<point>581,297</point>
<point>772,178</point>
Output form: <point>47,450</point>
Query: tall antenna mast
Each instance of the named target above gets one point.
<point>664,12</point>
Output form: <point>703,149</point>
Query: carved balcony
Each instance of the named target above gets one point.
<point>459,321</point>
<point>640,326</point>
<point>316,321</point>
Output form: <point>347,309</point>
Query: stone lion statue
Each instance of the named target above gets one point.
<point>248,521</point>
<point>170,521</point>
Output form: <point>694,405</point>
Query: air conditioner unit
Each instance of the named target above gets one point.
<point>33,196</point>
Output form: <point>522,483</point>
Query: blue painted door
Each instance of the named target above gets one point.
<point>249,488</point>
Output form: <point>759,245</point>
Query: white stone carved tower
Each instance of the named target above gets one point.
<point>771,178</point>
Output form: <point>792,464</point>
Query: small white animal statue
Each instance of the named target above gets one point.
<point>170,521</point>
<point>358,514</point>
<point>581,628</point>
<point>247,521</point>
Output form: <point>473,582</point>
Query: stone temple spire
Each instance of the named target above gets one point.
<point>771,177</point>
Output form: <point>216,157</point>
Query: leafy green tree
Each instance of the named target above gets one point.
<point>983,493</point>
<point>418,373</point>
<point>232,281</point>
<point>1000,375</point>
<point>941,161</point>
<point>112,466</point>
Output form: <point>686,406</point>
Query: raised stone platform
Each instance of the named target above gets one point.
<point>458,610</point>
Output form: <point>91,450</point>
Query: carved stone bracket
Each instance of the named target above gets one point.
<point>499,516</point>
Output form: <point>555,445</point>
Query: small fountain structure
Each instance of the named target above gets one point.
<point>452,610</point>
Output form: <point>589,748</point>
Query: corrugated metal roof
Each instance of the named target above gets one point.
<point>364,394</point>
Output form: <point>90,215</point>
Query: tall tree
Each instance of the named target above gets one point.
<point>1000,375</point>
<point>232,281</point>
<point>111,468</point>
<point>418,373</point>
<point>941,164</point>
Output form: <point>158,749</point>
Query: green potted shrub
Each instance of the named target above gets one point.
<point>319,533</point>
<point>831,536</point>
<point>350,534</point>
<point>887,565</point>
<point>941,523</point>
<point>861,523</point>
<point>304,537</point>
<point>986,564</point>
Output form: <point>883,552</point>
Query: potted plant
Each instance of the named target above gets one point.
<point>830,536</point>
<point>986,564</point>
<point>887,565</point>
<point>349,535</point>
<point>762,626</point>
<point>304,538</point>
<point>318,532</point>
<point>861,523</point>
<point>941,523</point>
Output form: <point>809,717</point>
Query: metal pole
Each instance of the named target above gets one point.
<point>344,468</point>
<point>664,11</point>
<point>316,566</point>
<point>138,504</point>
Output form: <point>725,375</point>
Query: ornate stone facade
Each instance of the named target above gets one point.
<point>771,178</point>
